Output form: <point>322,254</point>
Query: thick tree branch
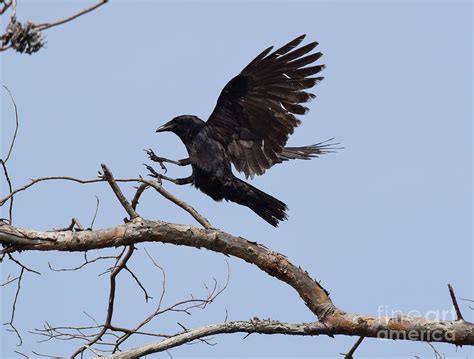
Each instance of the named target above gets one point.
<point>140,230</point>
<point>457,332</point>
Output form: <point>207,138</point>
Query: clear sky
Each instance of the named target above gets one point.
<point>384,223</point>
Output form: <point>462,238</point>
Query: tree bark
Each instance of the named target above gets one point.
<point>316,298</point>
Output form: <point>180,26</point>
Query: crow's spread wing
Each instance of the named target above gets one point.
<point>255,111</point>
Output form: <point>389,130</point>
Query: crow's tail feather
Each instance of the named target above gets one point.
<point>269,208</point>
<point>308,152</point>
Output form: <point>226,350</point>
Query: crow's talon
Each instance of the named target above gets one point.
<point>153,173</point>
<point>155,158</point>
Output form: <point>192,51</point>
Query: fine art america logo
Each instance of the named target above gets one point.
<point>398,323</point>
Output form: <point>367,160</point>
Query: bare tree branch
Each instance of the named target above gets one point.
<point>350,353</point>
<point>74,225</point>
<point>183,306</point>
<point>12,144</point>
<point>17,293</point>
<point>139,283</point>
<point>5,5</point>
<point>436,353</point>
<point>95,212</point>
<point>9,280</point>
<point>51,178</point>
<point>252,326</point>
<point>316,298</point>
<point>120,265</point>
<point>12,317</point>
<point>123,201</point>
<point>28,37</point>
<point>198,217</point>
<point>88,334</point>
<point>455,302</point>
<point>158,187</point>
<point>3,162</point>
<point>138,194</point>
<point>140,230</point>
<point>7,177</point>
<point>49,25</point>
<point>86,262</point>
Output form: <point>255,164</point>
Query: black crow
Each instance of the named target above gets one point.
<point>249,127</point>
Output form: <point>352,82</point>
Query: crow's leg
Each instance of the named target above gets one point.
<point>161,160</point>
<point>160,177</point>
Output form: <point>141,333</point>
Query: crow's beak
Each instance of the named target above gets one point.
<point>165,127</point>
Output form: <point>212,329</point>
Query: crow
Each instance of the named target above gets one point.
<point>249,127</point>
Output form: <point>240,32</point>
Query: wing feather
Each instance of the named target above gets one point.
<point>255,112</point>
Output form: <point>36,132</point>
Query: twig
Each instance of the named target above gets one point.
<point>6,6</point>
<point>181,307</point>
<point>45,355</point>
<point>16,124</point>
<point>468,300</point>
<point>7,177</point>
<point>139,192</point>
<point>92,350</point>
<point>49,25</point>
<point>350,353</point>
<point>74,223</point>
<point>67,178</point>
<point>12,144</point>
<point>92,318</point>
<point>86,262</point>
<point>19,279</point>
<point>455,303</point>
<point>20,353</point>
<point>22,265</point>
<point>12,317</point>
<point>139,284</point>
<point>150,317</point>
<point>436,353</point>
<point>125,204</point>
<point>95,213</point>
<point>8,281</point>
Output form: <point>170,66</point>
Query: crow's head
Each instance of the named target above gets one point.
<point>185,126</point>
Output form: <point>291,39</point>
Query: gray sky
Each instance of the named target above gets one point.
<point>385,223</point>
